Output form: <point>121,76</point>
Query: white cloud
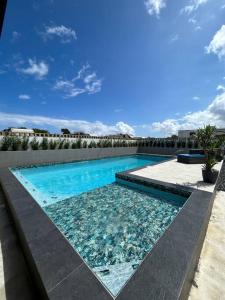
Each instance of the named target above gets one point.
<point>65,34</point>
<point>214,114</point>
<point>174,38</point>
<point>217,45</point>
<point>37,69</point>
<point>94,128</point>
<point>195,23</point>
<point>15,36</point>
<point>24,97</point>
<point>221,88</point>
<point>155,6</point>
<point>193,6</point>
<point>196,98</point>
<point>86,81</point>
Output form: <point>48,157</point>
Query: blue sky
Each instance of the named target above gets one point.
<point>146,67</point>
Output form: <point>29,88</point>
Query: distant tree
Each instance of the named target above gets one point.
<point>65,131</point>
<point>37,130</point>
<point>7,129</point>
<point>80,133</point>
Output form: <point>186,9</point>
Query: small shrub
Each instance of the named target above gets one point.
<point>44,144</point>
<point>183,144</point>
<point>6,143</point>
<point>84,144</point>
<point>124,144</point>
<point>92,144</point>
<point>172,144</point>
<point>34,144</point>
<point>178,144</point>
<point>52,145</point>
<point>15,143</point>
<point>79,144</point>
<point>99,144</point>
<point>61,143</point>
<point>167,144</point>
<point>196,145</point>
<point>190,144</point>
<point>25,143</point>
<point>67,145</point>
<point>74,145</point>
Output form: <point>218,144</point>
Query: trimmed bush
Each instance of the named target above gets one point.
<point>52,145</point>
<point>178,144</point>
<point>25,144</point>
<point>74,145</point>
<point>15,143</point>
<point>34,144</point>
<point>196,145</point>
<point>183,144</point>
<point>44,144</point>
<point>6,143</point>
<point>79,143</point>
<point>190,144</point>
<point>84,144</point>
<point>67,145</point>
<point>92,144</point>
<point>61,143</point>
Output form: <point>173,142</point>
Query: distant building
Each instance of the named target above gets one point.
<point>119,136</point>
<point>81,134</point>
<point>186,134</point>
<point>20,131</point>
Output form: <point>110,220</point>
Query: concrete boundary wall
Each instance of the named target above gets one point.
<point>23,158</point>
<point>162,150</point>
<point>31,157</point>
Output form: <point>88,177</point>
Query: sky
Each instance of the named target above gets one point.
<point>142,67</point>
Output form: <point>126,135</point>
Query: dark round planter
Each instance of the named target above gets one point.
<point>210,176</point>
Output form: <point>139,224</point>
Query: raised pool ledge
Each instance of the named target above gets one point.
<point>60,273</point>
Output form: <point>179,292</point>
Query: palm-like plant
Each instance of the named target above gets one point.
<point>206,138</point>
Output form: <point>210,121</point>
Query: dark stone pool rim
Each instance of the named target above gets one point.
<point>60,273</point>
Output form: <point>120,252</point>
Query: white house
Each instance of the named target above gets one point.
<point>20,131</point>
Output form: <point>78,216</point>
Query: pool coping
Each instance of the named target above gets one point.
<point>60,273</point>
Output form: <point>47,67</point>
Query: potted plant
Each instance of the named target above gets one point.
<point>208,173</point>
<point>206,138</point>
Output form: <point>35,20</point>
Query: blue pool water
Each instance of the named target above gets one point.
<point>49,184</point>
<point>111,225</point>
<point>114,227</point>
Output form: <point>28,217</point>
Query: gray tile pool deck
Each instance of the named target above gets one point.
<point>60,273</point>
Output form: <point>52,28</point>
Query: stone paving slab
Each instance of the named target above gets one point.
<point>189,175</point>
<point>210,277</point>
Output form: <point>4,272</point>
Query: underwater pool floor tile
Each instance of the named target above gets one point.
<point>114,227</point>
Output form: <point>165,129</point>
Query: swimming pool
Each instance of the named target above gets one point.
<point>111,225</point>
<point>53,183</point>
